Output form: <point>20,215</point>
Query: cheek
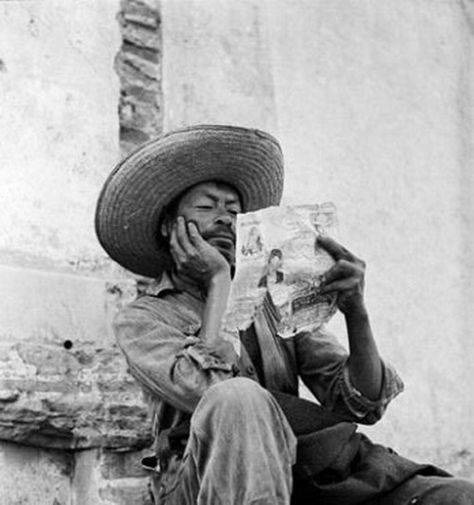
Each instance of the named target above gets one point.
<point>200,220</point>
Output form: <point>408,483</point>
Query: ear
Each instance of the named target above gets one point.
<point>166,225</point>
<point>165,228</point>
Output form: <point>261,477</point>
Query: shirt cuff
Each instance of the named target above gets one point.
<point>221,356</point>
<point>360,405</point>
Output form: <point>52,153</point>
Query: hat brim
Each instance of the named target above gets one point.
<point>133,197</point>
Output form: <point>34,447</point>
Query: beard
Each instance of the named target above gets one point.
<point>223,239</point>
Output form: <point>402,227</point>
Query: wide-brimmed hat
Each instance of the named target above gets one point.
<point>135,193</point>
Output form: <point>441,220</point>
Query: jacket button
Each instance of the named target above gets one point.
<point>414,501</point>
<point>250,370</point>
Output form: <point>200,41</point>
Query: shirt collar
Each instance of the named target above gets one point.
<point>170,281</point>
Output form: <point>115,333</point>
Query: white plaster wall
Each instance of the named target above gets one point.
<point>34,476</point>
<point>216,63</point>
<point>59,127</point>
<point>59,140</point>
<point>372,103</point>
<point>371,116</point>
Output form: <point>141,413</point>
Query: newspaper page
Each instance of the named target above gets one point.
<point>277,253</point>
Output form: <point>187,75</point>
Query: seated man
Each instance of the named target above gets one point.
<point>230,429</point>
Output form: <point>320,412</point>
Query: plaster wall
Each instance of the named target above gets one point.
<point>59,128</point>
<point>62,379</point>
<point>372,104</point>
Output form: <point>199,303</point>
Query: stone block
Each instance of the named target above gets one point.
<point>103,477</point>
<point>63,381</point>
<point>127,492</point>
<point>38,476</point>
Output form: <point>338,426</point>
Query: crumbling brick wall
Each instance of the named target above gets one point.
<point>139,69</point>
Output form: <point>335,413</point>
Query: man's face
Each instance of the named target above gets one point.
<point>213,207</point>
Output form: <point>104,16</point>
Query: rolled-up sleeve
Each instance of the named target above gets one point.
<point>322,364</point>
<point>170,363</point>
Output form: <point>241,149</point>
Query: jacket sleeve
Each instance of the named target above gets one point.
<point>168,360</point>
<point>322,366</point>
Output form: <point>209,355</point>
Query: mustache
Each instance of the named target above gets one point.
<point>219,231</point>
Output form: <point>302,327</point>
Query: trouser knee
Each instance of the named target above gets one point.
<point>235,393</point>
<point>236,402</point>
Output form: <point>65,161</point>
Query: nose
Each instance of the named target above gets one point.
<point>226,218</point>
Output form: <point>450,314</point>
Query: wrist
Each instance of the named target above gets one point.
<point>220,278</point>
<point>356,311</point>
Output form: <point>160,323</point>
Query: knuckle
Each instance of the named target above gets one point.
<point>345,251</point>
<point>346,264</point>
<point>360,262</point>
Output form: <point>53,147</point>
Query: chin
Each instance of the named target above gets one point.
<point>226,251</point>
<point>229,256</point>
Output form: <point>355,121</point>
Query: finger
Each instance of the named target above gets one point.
<point>335,249</point>
<point>339,286</point>
<point>195,236</point>
<point>178,259</point>
<point>177,252</point>
<point>342,269</point>
<point>183,237</point>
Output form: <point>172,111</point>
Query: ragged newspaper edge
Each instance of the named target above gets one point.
<point>277,252</point>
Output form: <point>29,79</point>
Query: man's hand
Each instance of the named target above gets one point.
<point>204,264</point>
<point>193,256</point>
<point>346,277</point>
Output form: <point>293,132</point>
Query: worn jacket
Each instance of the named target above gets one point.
<point>158,333</point>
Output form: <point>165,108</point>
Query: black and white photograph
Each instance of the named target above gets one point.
<point>136,136</point>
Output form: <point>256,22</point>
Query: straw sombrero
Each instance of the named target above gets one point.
<point>134,195</point>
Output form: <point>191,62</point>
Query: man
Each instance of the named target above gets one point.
<point>230,429</point>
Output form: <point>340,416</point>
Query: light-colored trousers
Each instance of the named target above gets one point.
<point>240,451</point>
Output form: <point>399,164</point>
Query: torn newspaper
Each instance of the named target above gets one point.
<point>277,253</point>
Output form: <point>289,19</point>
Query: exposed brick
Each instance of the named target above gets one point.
<point>138,65</point>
